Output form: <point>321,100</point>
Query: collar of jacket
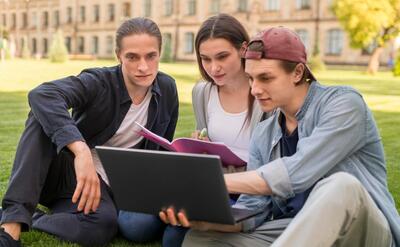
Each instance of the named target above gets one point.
<point>155,90</point>
<point>307,101</point>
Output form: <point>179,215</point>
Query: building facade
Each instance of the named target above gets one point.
<point>89,26</point>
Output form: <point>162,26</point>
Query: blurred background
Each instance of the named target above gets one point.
<point>342,32</point>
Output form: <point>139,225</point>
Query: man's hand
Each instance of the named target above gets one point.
<point>88,184</point>
<point>168,217</point>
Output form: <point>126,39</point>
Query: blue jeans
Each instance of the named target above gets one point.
<point>139,227</point>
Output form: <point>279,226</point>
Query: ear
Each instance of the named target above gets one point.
<point>298,73</point>
<point>243,49</point>
<point>117,54</point>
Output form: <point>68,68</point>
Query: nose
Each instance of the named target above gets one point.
<point>142,66</point>
<point>215,67</point>
<point>255,88</point>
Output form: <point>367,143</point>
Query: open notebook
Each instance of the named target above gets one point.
<point>190,145</point>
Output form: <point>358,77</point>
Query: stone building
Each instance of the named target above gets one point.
<point>89,26</point>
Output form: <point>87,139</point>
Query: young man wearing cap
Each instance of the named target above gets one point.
<point>316,167</point>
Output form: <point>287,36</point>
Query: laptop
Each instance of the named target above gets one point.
<point>147,181</point>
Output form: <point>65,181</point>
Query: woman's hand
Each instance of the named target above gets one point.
<point>201,135</point>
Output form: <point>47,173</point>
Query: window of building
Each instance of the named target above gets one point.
<point>96,13</point>
<point>126,9</point>
<point>45,46</point>
<point>24,20</point>
<point>4,20</point>
<point>82,14</point>
<point>95,45</point>
<point>215,6</point>
<point>272,5</point>
<point>191,7</point>
<point>111,12</point>
<point>166,54</point>
<point>109,45</point>
<point>69,15</point>
<point>22,44</point>
<point>242,5</point>
<point>335,42</point>
<point>303,34</point>
<point>68,43</point>
<point>45,19</point>
<point>56,18</point>
<point>167,38</point>
<point>147,8</point>
<point>34,20</point>
<point>81,44</point>
<point>303,4</point>
<point>13,20</point>
<point>34,46</point>
<point>189,41</point>
<point>168,7</point>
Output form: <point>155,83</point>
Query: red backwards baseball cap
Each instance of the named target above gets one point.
<point>280,43</point>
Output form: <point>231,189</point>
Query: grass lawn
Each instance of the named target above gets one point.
<point>382,93</point>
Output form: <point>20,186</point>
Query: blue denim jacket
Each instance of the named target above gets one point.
<point>337,132</point>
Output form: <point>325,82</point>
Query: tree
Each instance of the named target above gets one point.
<point>167,50</point>
<point>58,50</point>
<point>3,32</point>
<point>396,67</point>
<point>369,22</point>
<point>3,42</point>
<point>26,53</point>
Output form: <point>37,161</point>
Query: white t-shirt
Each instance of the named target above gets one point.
<point>229,128</point>
<point>126,136</point>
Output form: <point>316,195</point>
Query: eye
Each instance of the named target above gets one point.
<point>152,56</point>
<point>205,59</point>
<point>222,57</point>
<point>131,57</point>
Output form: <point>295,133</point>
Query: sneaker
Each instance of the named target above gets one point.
<point>7,241</point>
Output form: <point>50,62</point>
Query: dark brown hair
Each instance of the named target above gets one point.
<point>226,27</point>
<point>139,25</point>
<point>220,26</point>
<point>287,66</point>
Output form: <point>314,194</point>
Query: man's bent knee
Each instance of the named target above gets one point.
<point>341,189</point>
<point>97,231</point>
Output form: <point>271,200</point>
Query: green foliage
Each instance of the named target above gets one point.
<point>368,21</point>
<point>316,63</point>
<point>6,48</point>
<point>26,53</point>
<point>7,52</point>
<point>167,51</point>
<point>58,50</point>
<point>3,32</point>
<point>396,67</point>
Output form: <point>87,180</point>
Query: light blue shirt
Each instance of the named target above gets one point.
<point>337,132</point>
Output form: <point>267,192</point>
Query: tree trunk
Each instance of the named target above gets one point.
<point>373,64</point>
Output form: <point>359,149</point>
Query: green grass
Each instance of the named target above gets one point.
<point>382,93</point>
